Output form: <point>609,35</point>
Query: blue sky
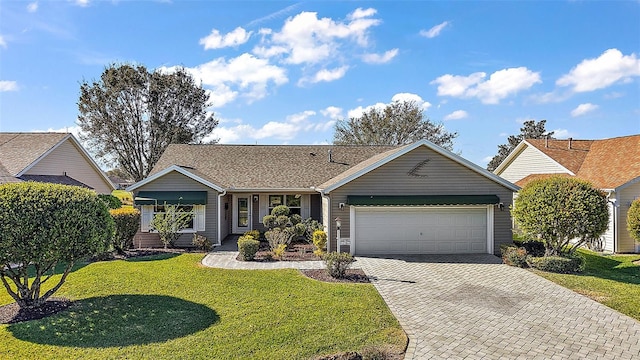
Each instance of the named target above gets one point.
<point>284,72</point>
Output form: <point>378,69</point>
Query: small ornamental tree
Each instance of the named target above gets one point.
<point>633,220</point>
<point>127,223</point>
<point>169,223</point>
<point>111,201</point>
<point>282,227</point>
<point>561,211</point>
<point>43,226</point>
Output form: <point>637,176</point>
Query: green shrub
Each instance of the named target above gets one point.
<point>279,251</point>
<point>295,219</point>
<point>311,225</point>
<point>277,237</point>
<point>281,210</point>
<point>169,223</point>
<point>47,226</point>
<point>320,242</point>
<point>533,247</point>
<point>269,221</point>
<point>248,247</point>
<point>127,223</point>
<point>255,234</point>
<point>337,263</point>
<point>514,256</point>
<point>111,201</point>
<point>201,242</point>
<point>558,264</point>
<point>633,220</point>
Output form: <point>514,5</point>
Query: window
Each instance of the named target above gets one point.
<point>196,223</point>
<point>293,202</point>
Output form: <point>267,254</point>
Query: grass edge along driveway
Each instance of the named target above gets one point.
<point>612,280</point>
<point>173,307</point>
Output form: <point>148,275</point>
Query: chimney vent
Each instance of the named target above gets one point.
<point>330,157</point>
<point>546,141</point>
<point>570,140</point>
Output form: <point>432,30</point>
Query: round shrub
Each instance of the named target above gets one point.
<point>111,201</point>
<point>127,223</point>
<point>47,225</point>
<point>201,242</point>
<point>255,234</point>
<point>280,210</point>
<point>319,241</point>
<point>337,263</point>
<point>558,264</point>
<point>514,256</point>
<point>248,247</point>
<point>633,220</point>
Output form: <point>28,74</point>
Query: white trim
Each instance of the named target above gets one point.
<point>490,226</point>
<point>220,212</point>
<point>516,152</point>
<point>627,184</point>
<point>446,153</point>
<point>178,169</point>
<point>352,229</point>
<point>83,152</point>
<point>272,190</point>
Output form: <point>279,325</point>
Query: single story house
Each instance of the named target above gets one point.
<point>51,158</point>
<point>612,165</point>
<point>413,199</point>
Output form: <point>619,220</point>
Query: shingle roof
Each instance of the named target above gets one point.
<point>19,150</point>
<point>6,177</point>
<point>55,179</point>
<point>607,163</point>
<point>266,166</point>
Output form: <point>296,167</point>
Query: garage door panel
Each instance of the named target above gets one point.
<point>421,230</point>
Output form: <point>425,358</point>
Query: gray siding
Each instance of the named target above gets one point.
<point>626,243</point>
<point>530,161</point>
<point>175,181</point>
<point>67,158</point>
<point>440,176</point>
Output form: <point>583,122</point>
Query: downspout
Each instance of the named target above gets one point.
<point>220,210</point>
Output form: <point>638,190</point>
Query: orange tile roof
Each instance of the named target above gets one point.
<point>529,178</point>
<point>607,163</point>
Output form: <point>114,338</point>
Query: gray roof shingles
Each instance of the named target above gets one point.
<point>267,166</point>
<point>19,150</point>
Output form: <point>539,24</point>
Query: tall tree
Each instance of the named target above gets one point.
<point>131,115</point>
<point>529,130</point>
<point>399,123</point>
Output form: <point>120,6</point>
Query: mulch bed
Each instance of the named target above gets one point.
<point>298,251</point>
<point>11,313</point>
<point>352,276</point>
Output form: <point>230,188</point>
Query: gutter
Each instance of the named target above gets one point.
<point>614,221</point>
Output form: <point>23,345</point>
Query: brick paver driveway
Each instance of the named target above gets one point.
<point>474,307</point>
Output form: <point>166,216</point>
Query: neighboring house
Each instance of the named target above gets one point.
<point>612,165</point>
<point>414,199</point>
<point>52,158</point>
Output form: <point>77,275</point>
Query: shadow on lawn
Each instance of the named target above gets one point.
<point>605,267</point>
<point>118,320</point>
<point>164,256</point>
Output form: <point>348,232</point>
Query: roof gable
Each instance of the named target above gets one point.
<point>568,153</point>
<point>382,159</point>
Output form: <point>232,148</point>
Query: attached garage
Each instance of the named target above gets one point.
<point>421,230</point>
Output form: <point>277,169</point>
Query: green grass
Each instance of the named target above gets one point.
<point>173,307</point>
<point>611,280</point>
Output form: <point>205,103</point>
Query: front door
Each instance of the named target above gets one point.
<point>241,213</point>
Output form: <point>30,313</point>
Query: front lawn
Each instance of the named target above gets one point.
<point>611,280</point>
<point>173,307</point>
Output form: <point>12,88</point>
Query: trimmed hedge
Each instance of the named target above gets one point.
<point>111,201</point>
<point>533,247</point>
<point>514,256</point>
<point>558,264</point>
<point>127,223</point>
<point>248,247</point>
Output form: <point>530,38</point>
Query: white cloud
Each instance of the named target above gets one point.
<point>583,109</point>
<point>7,85</point>
<point>562,134</point>
<point>501,84</point>
<point>613,95</point>
<point>434,31</point>
<point>3,42</point>
<point>358,111</point>
<point>456,115</point>
<point>305,39</point>
<point>245,76</point>
<point>326,75</point>
<point>82,3</point>
<point>300,117</point>
<point>424,105</point>
<point>380,59</point>
<point>32,7</point>
<point>215,40</point>
<point>607,69</point>
<point>332,112</point>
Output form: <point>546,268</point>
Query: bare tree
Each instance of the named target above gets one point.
<point>131,115</point>
<point>399,123</point>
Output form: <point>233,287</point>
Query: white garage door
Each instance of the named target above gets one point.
<point>405,230</point>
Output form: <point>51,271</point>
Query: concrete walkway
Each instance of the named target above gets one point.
<point>224,257</point>
<point>474,307</point>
